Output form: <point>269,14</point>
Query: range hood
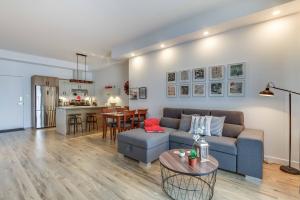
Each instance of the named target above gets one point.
<point>80,76</point>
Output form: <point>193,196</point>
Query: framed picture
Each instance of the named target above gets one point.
<point>184,76</point>
<point>199,90</point>
<point>216,73</point>
<point>216,89</point>
<point>171,77</point>
<point>199,74</point>
<point>142,93</point>
<point>133,93</point>
<point>236,88</point>
<point>236,71</point>
<point>171,90</point>
<point>184,90</point>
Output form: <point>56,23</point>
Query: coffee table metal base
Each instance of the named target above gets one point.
<point>186,187</point>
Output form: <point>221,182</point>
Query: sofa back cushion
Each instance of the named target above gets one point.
<point>232,130</point>
<point>190,111</point>
<point>170,122</point>
<point>231,117</point>
<point>172,112</point>
<point>185,122</point>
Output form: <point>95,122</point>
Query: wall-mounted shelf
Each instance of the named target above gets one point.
<point>112,92</point>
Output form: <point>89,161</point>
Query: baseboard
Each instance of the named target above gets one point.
<point>12,130</point>
<point>280,161</point>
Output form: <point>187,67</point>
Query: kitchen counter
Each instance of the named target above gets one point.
<point>79,107</point>
<point>63,112</point>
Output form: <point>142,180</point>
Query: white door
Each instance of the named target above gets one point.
<point>11,103</point>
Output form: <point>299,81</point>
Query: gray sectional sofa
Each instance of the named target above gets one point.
<point>238,150</point>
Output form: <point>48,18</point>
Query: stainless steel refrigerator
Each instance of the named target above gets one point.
<point>46,100</point>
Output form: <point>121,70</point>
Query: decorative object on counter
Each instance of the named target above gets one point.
<point>184,90</point>
<point>171,77</point>
<point>268,93</point>
<point>133,93</point>
<point>171,90</point>
<point>193,158</point>
<point>126,87</point>
<point>181,153</point>
<point>142,93</point>
<point>236,88</point>
<point>199,74</point>
<point>216,89</point>
<point>185,76</point>
<point>237,71</point>
<point>216,73</point>
<point>204,150</point>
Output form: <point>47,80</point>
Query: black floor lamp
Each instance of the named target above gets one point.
<point>268,92</point>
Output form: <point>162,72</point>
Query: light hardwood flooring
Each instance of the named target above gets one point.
<point>45,165</point>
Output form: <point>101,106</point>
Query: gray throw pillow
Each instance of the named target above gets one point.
<point>185,122</point>
<point>232,130</point>
<point>169,122</point>
<point>216,126</point>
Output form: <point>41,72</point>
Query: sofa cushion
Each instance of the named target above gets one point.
<point>216,126</point>
<point>138,137</point>
<point>190,111</point>
<point>169,122</point>
<point>232,117</point>
<point>232,130</point>
<point>221,144</point>
<point>172,112</point>
<point>185,122</point>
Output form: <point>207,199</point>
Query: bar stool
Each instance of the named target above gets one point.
<point>74,120</point>
<point>91,121</point>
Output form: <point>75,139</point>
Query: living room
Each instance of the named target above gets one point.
<point>136,103</point>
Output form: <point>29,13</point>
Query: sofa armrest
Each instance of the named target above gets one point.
<point>250,147</point>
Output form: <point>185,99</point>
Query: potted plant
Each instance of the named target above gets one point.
<point>193,157</point>
<point>181,153</point>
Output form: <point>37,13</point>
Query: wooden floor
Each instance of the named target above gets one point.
<point>45,165</point>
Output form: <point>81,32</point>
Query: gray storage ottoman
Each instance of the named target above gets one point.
<point>142,146</point>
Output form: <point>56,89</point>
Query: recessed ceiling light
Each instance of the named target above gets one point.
<point>132,54</point>
<point>276,12</point>
<point>205,33</point>
<point>162,46</point>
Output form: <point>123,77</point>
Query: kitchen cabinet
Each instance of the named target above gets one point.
<point>65,88</point>
<point>45,81</point>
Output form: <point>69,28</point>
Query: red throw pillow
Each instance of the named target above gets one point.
<point>151,122</point>
<point>154,129</point>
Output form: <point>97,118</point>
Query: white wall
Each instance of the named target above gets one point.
<point>113,75</point>
<point>272,53</point>
<point>25,69</point>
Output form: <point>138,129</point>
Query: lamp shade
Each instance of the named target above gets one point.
<point>267,92</point>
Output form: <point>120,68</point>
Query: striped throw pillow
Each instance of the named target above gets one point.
<point>216,126</point>
<point>199,122</point>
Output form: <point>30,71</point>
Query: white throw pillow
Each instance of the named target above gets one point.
<point>200,121</point>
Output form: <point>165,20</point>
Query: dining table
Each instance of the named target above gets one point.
<point>115,116</point>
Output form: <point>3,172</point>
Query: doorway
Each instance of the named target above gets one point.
<point>11,103</point>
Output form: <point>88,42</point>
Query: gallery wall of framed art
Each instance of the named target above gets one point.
<point>207,81</point>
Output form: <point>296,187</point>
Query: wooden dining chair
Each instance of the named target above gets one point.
<point>127,122</point>
<point>141,116</point>
<point>109,123</point>
<point>126,107</point>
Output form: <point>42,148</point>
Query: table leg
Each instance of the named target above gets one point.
<point>104,125</point>
<point>119,124</point>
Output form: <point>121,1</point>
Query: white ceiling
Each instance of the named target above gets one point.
<point>59,28</point>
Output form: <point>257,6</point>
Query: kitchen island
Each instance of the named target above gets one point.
<point>63,112</point>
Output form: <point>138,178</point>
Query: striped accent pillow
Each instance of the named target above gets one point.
<point>199,122</point>
<point>216,126</point>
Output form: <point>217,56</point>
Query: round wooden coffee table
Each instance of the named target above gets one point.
<point>182,181</point>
